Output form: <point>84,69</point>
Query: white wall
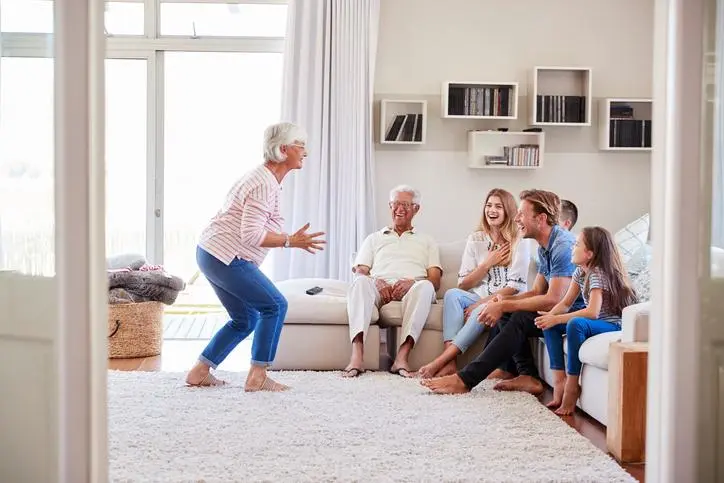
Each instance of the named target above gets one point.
<point>423,43</point>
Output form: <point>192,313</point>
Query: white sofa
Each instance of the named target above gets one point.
<point>316,334</point>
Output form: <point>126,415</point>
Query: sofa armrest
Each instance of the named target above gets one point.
<point>635,323</point>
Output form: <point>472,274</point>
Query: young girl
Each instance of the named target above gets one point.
<point>494,262</point>
<point>606,290</point>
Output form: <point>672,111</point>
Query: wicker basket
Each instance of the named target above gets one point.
<point>135,329</point>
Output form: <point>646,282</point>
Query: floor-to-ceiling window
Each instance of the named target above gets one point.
<point>190,86</point>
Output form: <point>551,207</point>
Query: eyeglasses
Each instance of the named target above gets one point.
<point>303,146</point>
<point>401,204</point>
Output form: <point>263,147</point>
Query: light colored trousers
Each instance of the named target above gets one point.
<point>454,327</point>
<point>363,297</point>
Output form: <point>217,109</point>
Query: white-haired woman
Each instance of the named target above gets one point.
<point>230,250</point>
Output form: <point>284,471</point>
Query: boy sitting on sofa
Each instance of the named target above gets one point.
<point>396,263</point>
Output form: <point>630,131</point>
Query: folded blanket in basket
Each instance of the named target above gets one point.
<point>143,286</point>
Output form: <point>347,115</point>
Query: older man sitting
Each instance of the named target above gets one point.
<point>395,263</point>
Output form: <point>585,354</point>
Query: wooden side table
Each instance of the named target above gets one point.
<point>626,430</point>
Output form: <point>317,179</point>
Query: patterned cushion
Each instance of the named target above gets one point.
<point>639,260</point>
<point>632,237</point>
<point>642,284</point>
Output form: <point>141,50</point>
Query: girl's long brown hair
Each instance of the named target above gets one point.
<point>509,230</point>
<point>607,259</point>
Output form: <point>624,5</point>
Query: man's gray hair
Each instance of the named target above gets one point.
<point>281,134</point>
<point>403,188</point>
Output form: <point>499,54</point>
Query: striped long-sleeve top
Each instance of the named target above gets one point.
<point>250,210</point>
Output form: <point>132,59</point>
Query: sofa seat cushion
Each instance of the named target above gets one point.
<point>391,316</point>
<point>594,350</point>
<point>329,307</point>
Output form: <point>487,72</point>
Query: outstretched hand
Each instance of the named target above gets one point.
<point>310,242</point>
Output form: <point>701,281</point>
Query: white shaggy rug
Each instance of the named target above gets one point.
<point>378,427</point>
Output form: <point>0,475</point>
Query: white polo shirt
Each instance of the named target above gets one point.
<point>393,257</point>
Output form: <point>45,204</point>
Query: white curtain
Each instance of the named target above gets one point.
<point>717,227</point>
<point>328,85</point>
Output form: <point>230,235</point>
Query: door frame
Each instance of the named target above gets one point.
<point>79,51</point>
<point>680,440</point>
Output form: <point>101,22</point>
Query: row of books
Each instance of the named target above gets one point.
<point>629,133</point>
<point>519,155</point>
<point>405,127</point>
<point>480,101</point>
<point>564,109</point>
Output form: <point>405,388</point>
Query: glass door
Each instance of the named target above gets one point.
<point>126,155</point>
<point>217,106</point>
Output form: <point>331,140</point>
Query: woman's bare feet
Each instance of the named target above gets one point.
<point>446,385</point>
<point>428,371</point>
<point>521,383</point>
<point>257,380</point>
<point>200,376</point>
<point>449,369</point>
<point>500,374</point>
<point>570,396</point>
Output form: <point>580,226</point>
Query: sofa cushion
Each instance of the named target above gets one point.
<point>391,316</point>
<point>451,255</point>
<point>327,307</point>
<point>594,350</point>
<point>632,237</point>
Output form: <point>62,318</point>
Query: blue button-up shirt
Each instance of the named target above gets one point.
<point>555,259</point>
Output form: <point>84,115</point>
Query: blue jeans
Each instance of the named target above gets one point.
<point>253,303</point>
<point>454,327</point>
<point>577,330</point>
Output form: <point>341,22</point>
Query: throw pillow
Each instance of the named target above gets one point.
<point>638,261</point>
<point>632,237</point>
<point>642,284</point>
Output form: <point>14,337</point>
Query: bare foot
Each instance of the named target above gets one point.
<point>500,374</point>
<point>557,394</point>
<point>446,385</point>
<point>449,369</point>
<point>266,384</point>
<point>200,376</point>
<point>570,397</point>
<point>428,371</point>
<point>521,383</point>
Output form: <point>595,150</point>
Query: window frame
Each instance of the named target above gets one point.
<point>152,47</point>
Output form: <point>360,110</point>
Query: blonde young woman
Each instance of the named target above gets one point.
<point>495,261</point>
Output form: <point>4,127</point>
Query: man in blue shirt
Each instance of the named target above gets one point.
<point>537,218</point>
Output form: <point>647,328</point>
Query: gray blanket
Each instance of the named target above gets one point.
<point>143,286</point>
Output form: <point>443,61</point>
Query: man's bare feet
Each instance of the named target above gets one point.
<point>200,376</point>
<point>521,383</point>
<point>500,374</point>
<point>446,385</point>
<point>570,396</point>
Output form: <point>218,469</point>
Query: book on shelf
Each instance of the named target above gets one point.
<point>563,109</point>
<point>629,133</point>
<point>480,101</point>
<point>405,127</point>
<point>522,155</point>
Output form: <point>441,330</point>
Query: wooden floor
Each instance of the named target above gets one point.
<point>179,356</point>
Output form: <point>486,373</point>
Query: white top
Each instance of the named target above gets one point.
<point>250,210</point>
<point>393,257</point>
<point>514,276</point>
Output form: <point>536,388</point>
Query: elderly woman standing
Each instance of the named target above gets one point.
<point>230,250</point>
